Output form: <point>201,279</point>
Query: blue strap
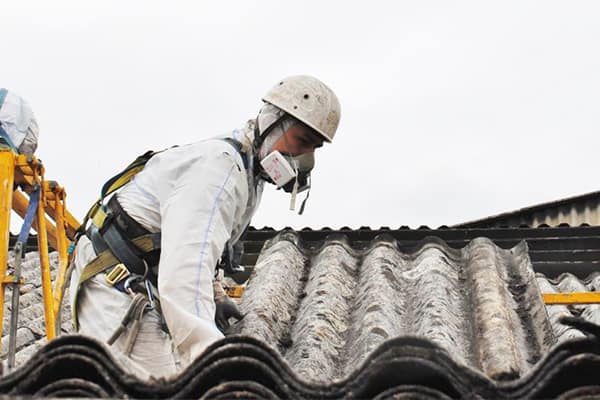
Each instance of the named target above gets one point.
<point>34,200</point>
<point>72,247</point>
<point>238,147</point>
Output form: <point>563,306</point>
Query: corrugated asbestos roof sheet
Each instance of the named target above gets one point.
<point>582,209</point>
<point>367,313</point>
<point>243,367</point>
<point>31,331</point>
<point>327,309</point>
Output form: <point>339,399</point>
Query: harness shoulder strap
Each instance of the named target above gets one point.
<point>123,177</point>
<point>116,182</point>
<point>238,147</point>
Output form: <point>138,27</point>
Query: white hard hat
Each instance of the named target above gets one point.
<point>310,101</point>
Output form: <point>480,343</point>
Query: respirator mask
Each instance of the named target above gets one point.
<point>290,173</point>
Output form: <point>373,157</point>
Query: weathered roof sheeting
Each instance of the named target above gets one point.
<point>31,328</point>
<point>243,367</point>
<point>578,210</point>
<point>326,310</point>
<point>570,283</point>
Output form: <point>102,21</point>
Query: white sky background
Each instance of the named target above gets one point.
<point>451,111</point>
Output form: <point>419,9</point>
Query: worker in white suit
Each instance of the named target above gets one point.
<point>194,201</point>
<point>18,126</point>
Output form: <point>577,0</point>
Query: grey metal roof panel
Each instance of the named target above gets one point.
<point>575,210</point>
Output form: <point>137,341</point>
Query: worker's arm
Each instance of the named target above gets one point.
<point>197,219</point>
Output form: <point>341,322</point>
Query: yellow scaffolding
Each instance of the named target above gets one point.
<point>19,175</point>
<point>572,298</point>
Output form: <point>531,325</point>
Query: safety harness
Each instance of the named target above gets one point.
<point>126,251</point>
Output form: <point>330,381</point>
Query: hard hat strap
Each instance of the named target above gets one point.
<point>260,138</point>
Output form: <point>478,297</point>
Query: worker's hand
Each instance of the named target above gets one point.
<point>226,309</point>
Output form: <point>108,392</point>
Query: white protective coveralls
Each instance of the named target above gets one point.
<point>199,196</point>
<point>18,121</point>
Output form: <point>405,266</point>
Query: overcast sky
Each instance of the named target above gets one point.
<point>451,111</point>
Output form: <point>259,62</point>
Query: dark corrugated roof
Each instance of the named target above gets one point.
<point>552,250</point>
<point>242,367</point>
<point>30,244</point>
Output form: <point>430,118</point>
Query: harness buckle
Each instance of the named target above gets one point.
<point>131,284</point>
<point>117,274</point>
